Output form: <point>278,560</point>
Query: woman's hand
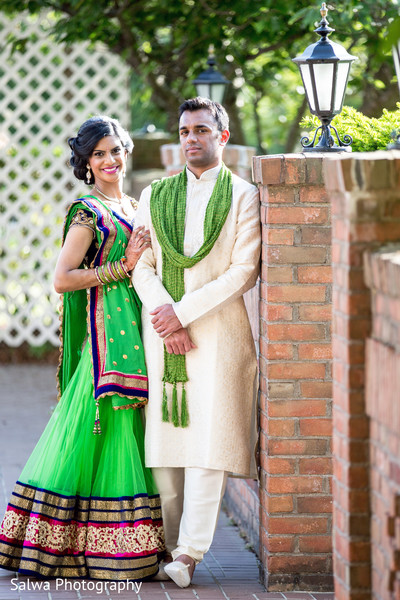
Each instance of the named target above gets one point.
<point>138,243</point>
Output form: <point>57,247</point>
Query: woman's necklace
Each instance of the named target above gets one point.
<point>127,212</point>
<point>117,200</point>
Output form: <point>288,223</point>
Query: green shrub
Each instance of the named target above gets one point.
<point>368,133</point>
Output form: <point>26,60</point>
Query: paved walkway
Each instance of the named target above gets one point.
<point>229,571</point>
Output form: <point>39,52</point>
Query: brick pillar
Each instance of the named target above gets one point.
<point>382,275</point>
<point>364,192</point>
<point>295,368</point>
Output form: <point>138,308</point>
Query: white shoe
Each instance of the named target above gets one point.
<point>179,573</point>
<point>161,575</point>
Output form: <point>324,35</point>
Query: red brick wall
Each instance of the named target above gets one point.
<point>364,192</point>
<point>242,503</point>
<point>295,366</point>
<point>383,407</point>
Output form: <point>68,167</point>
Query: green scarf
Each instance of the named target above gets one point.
<point>168,210</point>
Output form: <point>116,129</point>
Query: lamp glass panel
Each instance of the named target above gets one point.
<point>217,91</point>
<point>323,74</point>
<point>396,58</point>
<point>203,90</point>
<point>341,80</point>
<point>305,73</point>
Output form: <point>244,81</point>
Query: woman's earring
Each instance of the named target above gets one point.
<point>88,174</point>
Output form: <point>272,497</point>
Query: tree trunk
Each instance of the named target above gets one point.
<point>375,99</point>
<point>261,146</point>
<point>235,123</point>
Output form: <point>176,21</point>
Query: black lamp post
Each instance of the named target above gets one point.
<point>324,68</point>
<point>211,84</point>
<point>396,59</point>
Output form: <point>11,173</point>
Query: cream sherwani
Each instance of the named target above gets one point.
<point>222,370</point>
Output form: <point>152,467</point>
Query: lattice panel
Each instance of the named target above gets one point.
<point>45,95</point>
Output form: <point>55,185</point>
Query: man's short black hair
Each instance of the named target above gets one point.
<point>215,108</point>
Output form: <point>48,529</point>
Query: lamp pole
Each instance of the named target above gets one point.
<point>396,59</point>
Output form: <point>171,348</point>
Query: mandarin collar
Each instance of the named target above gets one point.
<point>209,175</point>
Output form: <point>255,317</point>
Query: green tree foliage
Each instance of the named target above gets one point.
<point>368,133</point>
<point>165,42</point>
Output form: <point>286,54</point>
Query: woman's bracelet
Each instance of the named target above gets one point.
<point>118,268</point>
<point>111,271</point>
<point>123,267</point>
<point>96,272</point>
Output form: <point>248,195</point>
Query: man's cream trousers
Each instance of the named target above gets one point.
<point>190,502</point>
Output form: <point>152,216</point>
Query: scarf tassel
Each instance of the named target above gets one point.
<point>175,414</point>
<point>165,415</point>
<point>184,408</point>
<point>183,421</point>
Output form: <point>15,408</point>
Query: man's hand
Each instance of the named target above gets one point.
<point>165,321</point>
<point>179,342</point>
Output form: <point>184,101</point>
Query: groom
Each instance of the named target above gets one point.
<point>202,368</point>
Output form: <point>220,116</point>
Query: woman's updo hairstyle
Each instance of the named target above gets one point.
<point>89,134</point>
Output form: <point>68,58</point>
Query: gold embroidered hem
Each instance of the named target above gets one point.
<point>126,406</point>
<point>51,535</point>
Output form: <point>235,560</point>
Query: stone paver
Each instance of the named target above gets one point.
<point>228,572</point>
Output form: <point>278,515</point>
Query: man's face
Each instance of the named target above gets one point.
<point>201,141</point>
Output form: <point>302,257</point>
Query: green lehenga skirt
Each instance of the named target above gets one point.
<point>85,505</point>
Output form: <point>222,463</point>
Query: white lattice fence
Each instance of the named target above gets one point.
<point>45,94</point>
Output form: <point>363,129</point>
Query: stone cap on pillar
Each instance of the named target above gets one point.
<point>382,269</point>
<point>362,171</point>
<point>289,169</point>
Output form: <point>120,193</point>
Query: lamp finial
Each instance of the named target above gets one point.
<point>323,28</point>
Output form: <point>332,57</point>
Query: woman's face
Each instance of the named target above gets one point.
<point>108,160</point>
